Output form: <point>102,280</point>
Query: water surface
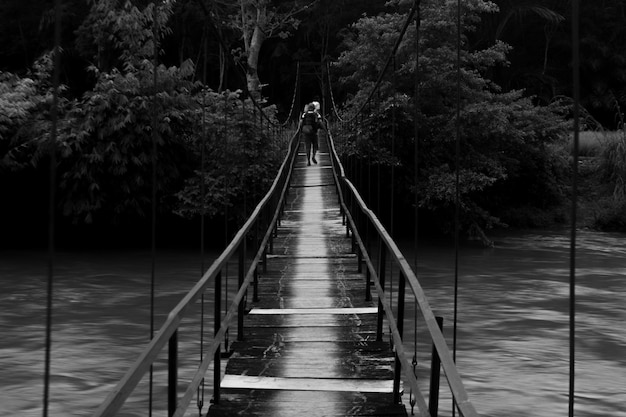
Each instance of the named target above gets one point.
<point>513,324</point>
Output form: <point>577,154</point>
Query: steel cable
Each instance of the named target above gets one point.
<point>201,387</point>
<point>391,56</point>
<point>155,42</point>
<point>51,205</point>
<point>457,157</point>
<point>572,291</point>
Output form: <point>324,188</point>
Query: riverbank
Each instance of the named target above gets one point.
<point>601,200</point>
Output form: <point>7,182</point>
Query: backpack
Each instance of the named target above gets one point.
<point>309,122</point>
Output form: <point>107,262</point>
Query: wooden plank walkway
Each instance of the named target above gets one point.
<point>310,345</point>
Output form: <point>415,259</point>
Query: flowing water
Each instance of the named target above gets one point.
<point>513,324</point>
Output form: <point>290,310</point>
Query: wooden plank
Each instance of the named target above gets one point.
<point>309,343</point>
<point>307,384</point>
<point>314,311</point>
<point>315,334</point>
<point>257,403</point>
<point>326,359</point>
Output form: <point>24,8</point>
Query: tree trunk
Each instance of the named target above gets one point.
<point>253,43</point>
<point>252,75</point>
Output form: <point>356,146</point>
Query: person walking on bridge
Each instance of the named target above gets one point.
<point>310,123</point>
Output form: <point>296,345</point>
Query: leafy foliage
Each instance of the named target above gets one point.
<point>505,139</point>
<point>236,160</point>
<point>110,139</point>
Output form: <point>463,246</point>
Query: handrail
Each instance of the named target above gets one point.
<point>273,200</point>
<point>457,389</point>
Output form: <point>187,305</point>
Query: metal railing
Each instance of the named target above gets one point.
<point>366,231</point>
<point>255,237</point>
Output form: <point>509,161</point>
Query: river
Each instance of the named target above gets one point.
<point>513,327</point>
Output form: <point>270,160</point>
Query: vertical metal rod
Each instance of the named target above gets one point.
<point>416,133</point>
<point>172,374</point>
<point>51,205</point>
<point>572,286</point>
<point>400,325</point>
<point>381,278</point>
<point>217,314</point>
<point>255,288</point>
<point>353,239</point>
<point>155,58</point>
<point>435,372</point>
<point>241,308</point>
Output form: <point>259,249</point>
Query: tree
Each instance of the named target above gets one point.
<point>259,20</point>
<point>497,129</point>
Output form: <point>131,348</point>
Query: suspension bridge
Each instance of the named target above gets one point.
<point>318,316</point>
<point>319,323</point>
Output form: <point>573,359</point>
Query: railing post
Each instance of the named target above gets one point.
<point>172,374</point>
<point>353,239</point>
<point>400,325</point>
<point>255,288</point>
<point>241,308</point>
<point>381,278</point>
<point>435,371</point>
<point>217,314</point>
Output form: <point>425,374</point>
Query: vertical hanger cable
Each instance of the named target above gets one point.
<point>572,295</point>
<point>51,203</point>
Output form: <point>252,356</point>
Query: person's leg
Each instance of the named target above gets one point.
<point>315,146</point>
<point>307,144</point>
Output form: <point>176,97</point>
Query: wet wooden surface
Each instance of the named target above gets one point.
<point>309,343</point>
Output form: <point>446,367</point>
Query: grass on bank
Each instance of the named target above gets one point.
<point>602,174</point>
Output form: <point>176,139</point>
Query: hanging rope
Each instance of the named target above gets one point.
<point>572,295</point>
<point>51,203</point>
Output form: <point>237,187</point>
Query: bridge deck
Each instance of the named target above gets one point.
<point>309,346</point>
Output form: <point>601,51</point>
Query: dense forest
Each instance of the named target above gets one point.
<point>226,92</point>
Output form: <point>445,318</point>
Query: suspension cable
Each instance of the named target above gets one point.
<point>416,178</point>
<point>457,157</point>
<point>332,97</point>
<point>154,188</point>
<point>220,39</point>
<point>572,295</point>
<point>416,132</point>
<point>393,168</point>
<point>225,275</point>
<point>392,54</point>
<point>51,203</point>
<point>201,387</point>
<point>293,98</point>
